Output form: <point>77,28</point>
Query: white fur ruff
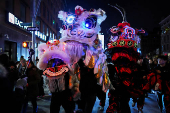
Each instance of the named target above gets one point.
<point>74,50</point>
<point>43,61</point>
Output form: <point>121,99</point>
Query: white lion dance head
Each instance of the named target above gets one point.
<point>78,35</point>
<point>80,30</point>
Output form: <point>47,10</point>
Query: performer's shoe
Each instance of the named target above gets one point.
<point>101,108</point>
<point>140,110</point>
<point>78,111</point>
<point>133,104</point>
<point>146,95</point>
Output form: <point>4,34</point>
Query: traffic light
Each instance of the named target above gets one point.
<point>25,44</point>
<point>53,21</point>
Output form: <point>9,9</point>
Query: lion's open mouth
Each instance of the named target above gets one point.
<point>55,67</point>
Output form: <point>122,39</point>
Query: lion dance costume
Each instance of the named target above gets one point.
<point>79,40</point>
<point>123,71</point>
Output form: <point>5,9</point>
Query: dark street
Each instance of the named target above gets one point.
<point>151,105</point>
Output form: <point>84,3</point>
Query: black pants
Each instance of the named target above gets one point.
<point>87,102</point>
<point>159,98</point>
<point>118,102</point>
<point>34,104</point>
<point>163,102</point>
<point>101,95</point>
<point>63,98</point>
<point>19,99</point>
<point>140,101</point>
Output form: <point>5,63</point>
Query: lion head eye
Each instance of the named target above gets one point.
<point>91,22</point>
<point>70,19</point>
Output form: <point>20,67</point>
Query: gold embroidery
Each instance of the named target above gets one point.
<point>135,45</point>
<point>91,62</point>
<point>130,43</point>
<point>122,43</point>
<point>114,44</point>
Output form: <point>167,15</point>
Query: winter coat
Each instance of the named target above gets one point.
<point>32,80</point>
<point>165,76</point>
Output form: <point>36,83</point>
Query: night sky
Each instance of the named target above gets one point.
<point>144,14</point>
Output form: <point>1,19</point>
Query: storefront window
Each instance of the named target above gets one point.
<point>25,53</point>
<point>50,34</point>
<point>47,31</point>
<point>18,51</point>
<point>43,28</point>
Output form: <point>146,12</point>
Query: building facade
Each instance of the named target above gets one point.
<point>165,35</point>
<point>16,17</point>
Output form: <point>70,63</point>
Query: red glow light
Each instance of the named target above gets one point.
<point>24,44</point>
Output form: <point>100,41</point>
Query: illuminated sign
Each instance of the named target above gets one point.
<point>11,18</point>
<point>33,29</point>
<point>14,20</point>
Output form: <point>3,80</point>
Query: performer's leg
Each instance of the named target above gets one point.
<point>163,105</point>
<point>67,102</point>
<point>34,104</point>
<point>82,102</point>
<point>160,100</point>
<point>102,97</point>
<point>55,103</point>
<point>113,102</point>
<point>99,88</point>
<point>89,103</point>
<point>124,104</point>
<point>167,102</point>
<point>25,105</point>
<point>134,100</point>
<point>140,102</point>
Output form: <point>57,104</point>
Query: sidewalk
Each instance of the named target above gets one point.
<point>151,105</point>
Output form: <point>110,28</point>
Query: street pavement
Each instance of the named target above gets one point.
<point>151,105</point>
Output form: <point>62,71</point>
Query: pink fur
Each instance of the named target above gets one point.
<point>43,61</point>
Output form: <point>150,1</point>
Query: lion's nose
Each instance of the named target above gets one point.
<point>79,32</point>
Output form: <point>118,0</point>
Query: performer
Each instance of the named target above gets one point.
<point>163,70</point>
<point>54,61</point>
<point>123,71</point>
<point>79,38</point>
<point>80,35</point>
